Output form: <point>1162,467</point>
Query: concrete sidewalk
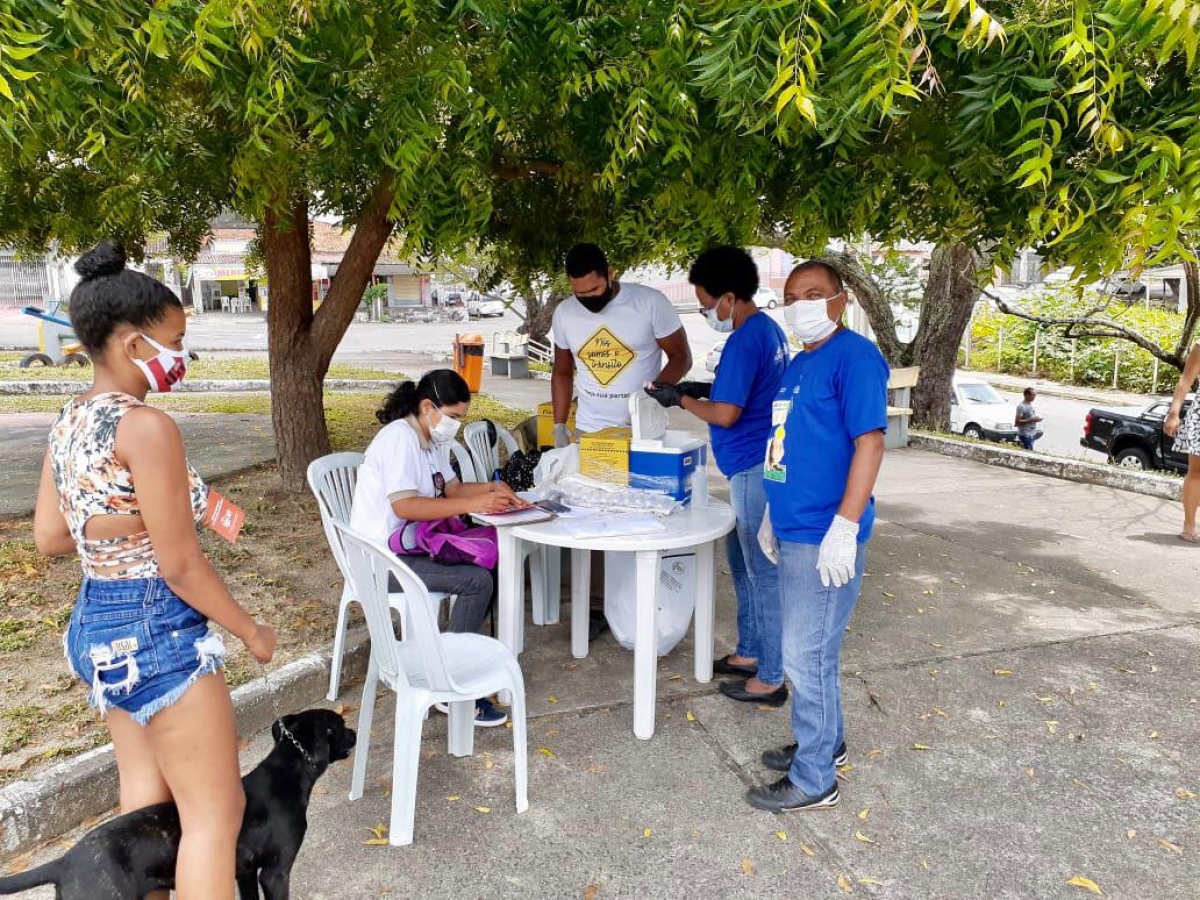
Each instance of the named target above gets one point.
<point>1021,710</point>
<point>217,445</point>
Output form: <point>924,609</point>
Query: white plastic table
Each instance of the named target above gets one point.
<point>691,527</point>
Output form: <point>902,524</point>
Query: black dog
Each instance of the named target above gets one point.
<point>134,854</point>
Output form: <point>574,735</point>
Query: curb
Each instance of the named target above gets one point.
<point>197,386</point>
<point>41,808</point>
<point>1053,466</point>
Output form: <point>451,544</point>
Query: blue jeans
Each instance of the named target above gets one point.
<point>755,579</point>
<point>814,622</point>
<point>1026,440</point>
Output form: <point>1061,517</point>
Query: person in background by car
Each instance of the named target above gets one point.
<point>1187,440</point>
<point>1028,420</point>
<point>737,407</point>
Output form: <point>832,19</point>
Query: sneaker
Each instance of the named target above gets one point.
<point>780,759</point>
<point>783,796</point>
<point>487,713</point>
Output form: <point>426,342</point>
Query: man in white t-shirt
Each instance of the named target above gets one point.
<point>609,341</point>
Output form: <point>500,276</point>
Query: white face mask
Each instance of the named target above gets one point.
<point>717,324</point>
<point>809,320</point>
<point>445,430</point>
<point>165,370</point>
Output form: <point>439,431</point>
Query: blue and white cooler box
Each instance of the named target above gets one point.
<point>668,465</point>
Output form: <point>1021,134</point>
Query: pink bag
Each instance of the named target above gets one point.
<point>450,541</point>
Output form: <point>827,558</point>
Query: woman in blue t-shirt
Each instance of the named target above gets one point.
<point>737,408</point>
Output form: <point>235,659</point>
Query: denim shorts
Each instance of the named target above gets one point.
<point>138,645</point>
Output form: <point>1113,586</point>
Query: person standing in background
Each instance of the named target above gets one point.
<point>737,408</point>
<point>1027,420</point>
<point>609,341</point>
<point>1186,432</point>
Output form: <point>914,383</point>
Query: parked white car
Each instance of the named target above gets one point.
<point>766,298</point>
<point>978,411</point>
<point>485,307</point>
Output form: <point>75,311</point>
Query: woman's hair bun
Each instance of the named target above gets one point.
<point>106,258</point>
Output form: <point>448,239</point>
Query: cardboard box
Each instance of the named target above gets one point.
<point>545,423</point>
<point>604,455</point>
<point>667,466</point>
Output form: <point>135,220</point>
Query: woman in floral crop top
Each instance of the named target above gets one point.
<point>117,490</point>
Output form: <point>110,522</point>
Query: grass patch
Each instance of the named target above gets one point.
<point>19,558</point>
<point>17,634</point>
<point>20,726</point>
<point>350,415</point>
<point>208,367</point>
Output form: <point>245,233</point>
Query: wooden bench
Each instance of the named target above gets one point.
<point>900,386</point>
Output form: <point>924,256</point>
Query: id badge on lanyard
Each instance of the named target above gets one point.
<point>773,466</point>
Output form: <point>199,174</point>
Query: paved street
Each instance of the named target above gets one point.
<point>1020,701</point>
<point>217,445</point>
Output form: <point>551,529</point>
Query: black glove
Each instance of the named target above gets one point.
<point>667,395</point>
<point>697,390</point>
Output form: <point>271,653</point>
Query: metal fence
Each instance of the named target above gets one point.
<point>23,282</point>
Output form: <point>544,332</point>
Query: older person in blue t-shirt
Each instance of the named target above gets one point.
<point>824,456</point>
<point>737,408</point>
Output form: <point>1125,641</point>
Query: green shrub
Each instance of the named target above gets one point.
<point>1092,361</point>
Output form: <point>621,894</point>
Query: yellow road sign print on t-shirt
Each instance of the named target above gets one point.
<point>605,356</point>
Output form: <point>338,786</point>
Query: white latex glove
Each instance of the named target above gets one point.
<point>564,435</point>
<point>766,538</point>
<point>839,553</point>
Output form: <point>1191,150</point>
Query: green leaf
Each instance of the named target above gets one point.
<point>1037,83</point>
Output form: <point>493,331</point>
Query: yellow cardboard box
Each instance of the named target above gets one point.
<point>605,454</point>
<point>545,423</point>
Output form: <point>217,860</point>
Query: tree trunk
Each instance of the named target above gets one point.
<point>301,343</point>
<point>297,406</point>
<point>540,315</point>
<point>876,304</point>
<point>950,296</point>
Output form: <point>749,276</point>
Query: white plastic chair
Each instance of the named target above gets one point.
<point>332,480</point>
<point>425,668</point>
<point>486,454</point>
<point>544,562</point>
<point>462,457</point>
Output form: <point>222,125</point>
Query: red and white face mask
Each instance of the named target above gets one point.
<point>165,370</point>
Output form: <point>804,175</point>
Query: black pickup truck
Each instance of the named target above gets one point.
<point>1135,440</point>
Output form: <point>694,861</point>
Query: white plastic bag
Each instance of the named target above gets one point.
<point>556,465</point>
<point>675,597</point>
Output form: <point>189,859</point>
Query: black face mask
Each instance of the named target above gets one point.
<point>596,303</point>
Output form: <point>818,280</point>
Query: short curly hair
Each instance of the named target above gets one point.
<point>108,295</point>
<point>726,270</point>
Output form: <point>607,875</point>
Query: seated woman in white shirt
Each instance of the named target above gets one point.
<point>407,477</point>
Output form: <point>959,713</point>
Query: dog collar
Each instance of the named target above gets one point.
<point>295,743</point>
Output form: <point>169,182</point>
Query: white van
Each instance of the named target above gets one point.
<point>978,411</point>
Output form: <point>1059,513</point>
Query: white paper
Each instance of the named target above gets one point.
<point>612,526</point>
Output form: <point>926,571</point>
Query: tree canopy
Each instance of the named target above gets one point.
<point>653,127</point>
